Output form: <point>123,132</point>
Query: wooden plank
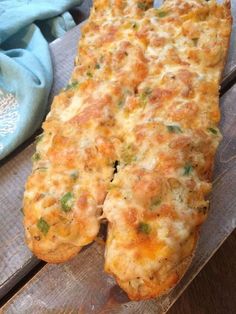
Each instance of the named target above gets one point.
<point>14,255</point>
<point>82,12</point>
<point>63,51</point>
<point>81,286</point>
<point>15,259</point>
<point>205,294</point>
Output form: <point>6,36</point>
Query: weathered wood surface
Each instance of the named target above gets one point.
<point>82,12</point>
<point>14,256</point>
<point>63,51</point>
<point>15,259</point>
<point>213,291</point>
<point>81,286</point>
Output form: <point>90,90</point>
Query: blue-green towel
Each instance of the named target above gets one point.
<point>26,27</point>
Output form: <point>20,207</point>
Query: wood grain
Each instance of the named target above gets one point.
<point>81,286</point>
<point>213,291</point>
<point>14,255</point>
<point>82,12</point>
<point>15,259</point>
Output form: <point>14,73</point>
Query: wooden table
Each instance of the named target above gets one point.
<point>28,285</point>
<point>213,290</point>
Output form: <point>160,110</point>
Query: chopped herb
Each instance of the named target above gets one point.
<point>38,138</point>
<point>145,94</point>
<point>22,211</point>
<point>72,85</point>
<point>113,186</point>
<point>187,170</point>
<point>97,66</point>
<point>143,99</point>
<point>121,103</point>
<point>135,25</point>
<point>162,14</point>
<point>128,92</point>
<point>42,195</point>
<point>174,129</point>
<point>195,41</point>
<point>67,202</point>
<point>147,91</point>
<point>142,6</point>
<point>41,169</point>
<point>155,203</point>
<point>74,175</point>
<point>43,226</point>
<point>89,74</point>
<point>128,158</point>
<point>144,228</point>
<point>128,155</point>
<point>213,131</point>
<point>36,157</point>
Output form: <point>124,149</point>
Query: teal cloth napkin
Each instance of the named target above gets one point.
<point>26,74</point>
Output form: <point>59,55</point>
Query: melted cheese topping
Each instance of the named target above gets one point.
<point>157,200</point>
<point>144,93</point>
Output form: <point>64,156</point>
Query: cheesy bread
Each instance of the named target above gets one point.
<point>144,99</point>
<point>158,199</point>
<point>75,156</point>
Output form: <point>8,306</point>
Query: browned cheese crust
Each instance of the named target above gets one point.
<point>144,95</point>
<point>157,200</point>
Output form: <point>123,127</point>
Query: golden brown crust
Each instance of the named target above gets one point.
<point>62,254</point>
<point>152,291</point>
<point>227,4</point>
<point>158,197</point>
<point>144,96</point>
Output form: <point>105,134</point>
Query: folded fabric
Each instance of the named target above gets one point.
<point>26,75</point>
